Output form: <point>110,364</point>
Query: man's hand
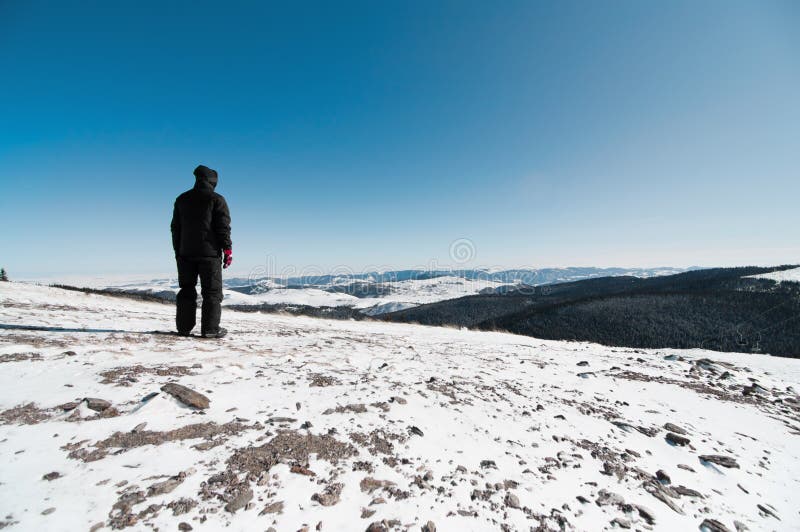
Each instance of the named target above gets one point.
<point>228,258</point>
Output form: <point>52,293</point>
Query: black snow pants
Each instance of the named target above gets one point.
<point>210,272</point>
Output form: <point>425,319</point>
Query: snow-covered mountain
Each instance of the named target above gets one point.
<point>379,292</point>
<point>297,423</point>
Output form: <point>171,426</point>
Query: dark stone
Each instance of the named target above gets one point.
<point>712,525</point>
<point>511,500</point>
<point>670,427</point>
<point>98,405</point>
<point>186,395</point>
<point>724,461</point>
<point>675,439</point>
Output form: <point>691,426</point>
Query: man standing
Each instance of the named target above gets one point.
<point>201,238</point>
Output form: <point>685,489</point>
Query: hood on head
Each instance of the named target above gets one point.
<point>205,176</point>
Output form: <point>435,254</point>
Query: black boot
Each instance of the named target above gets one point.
<point>219,333</point>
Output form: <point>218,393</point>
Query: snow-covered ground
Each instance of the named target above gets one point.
<point>780,276</point>
<point>353,424</point>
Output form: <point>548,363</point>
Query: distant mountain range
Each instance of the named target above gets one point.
<point>375,293</point>
<point>529,276</point>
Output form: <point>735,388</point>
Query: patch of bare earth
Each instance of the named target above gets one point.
<point>124,376</point>
<point>35,340</point>
<point>290,446</point>
<point>211,432</point>
<point>25,414</point>
<point>20,357</point>
<point>287,446</point>
<point>378,441</point>
<point>320,380</point>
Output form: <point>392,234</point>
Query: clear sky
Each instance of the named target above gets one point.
<point>376,133</point>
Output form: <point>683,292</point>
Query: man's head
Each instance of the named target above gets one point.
<point>204,174</point>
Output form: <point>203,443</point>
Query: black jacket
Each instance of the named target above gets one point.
<point>201,222</point>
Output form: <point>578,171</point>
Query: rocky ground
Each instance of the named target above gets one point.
<point>304,424</point>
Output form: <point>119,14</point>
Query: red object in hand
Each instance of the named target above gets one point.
<point>228,258</point>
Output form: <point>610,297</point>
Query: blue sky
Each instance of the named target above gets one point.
<point>620,133</point>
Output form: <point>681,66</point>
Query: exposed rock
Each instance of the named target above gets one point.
<point>186,395</point>
<point>280,419</point>
<point>239,500</point>
<point>670,427</point>
<point>645,513</point>
<point>166,486</point>
<point>273,508</point>
<point>430,526</point>
<point>605,497</point>
<point>415,431</point>
<point>621,522</point>
<point>369,484</point>
<point>683,490</point>
<point>712,525</point>
<point>511,500</point>
<point>98,405</point>
<point>675,439</point>
<point>657,490</point>
<point>663,477</point>
<point>52,476</point>
<point>182,506</point>
<point>301,470</point>
<point>724,461</point>
<point>330,495</point>
<point>383,526</point>
<point>767,511</point>
<point>184,526</point>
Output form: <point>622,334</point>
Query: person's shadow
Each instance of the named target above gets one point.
<point>74,330</point>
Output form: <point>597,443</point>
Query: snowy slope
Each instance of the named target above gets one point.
<point>351,423</point>
<point>406,294</point>
<point>292,296</point>
<point>782,275</point>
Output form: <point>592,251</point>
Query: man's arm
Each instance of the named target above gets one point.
<point>221,223</point>
<point>175,226</point>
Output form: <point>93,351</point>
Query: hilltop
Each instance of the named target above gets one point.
<point>345,425</point>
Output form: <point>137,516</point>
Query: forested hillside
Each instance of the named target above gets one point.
<point>720,308</point>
